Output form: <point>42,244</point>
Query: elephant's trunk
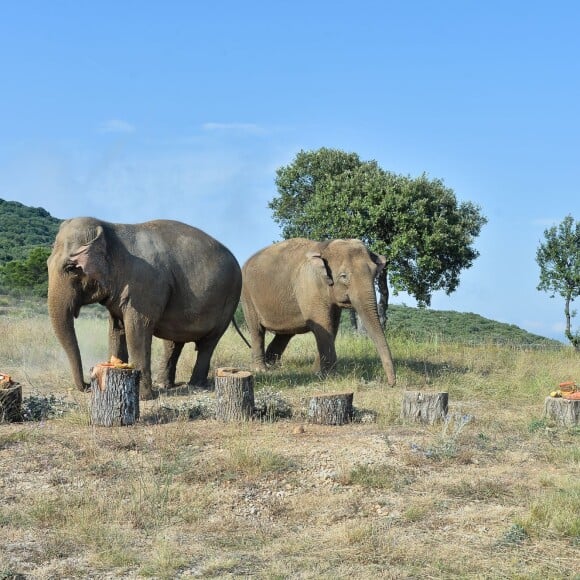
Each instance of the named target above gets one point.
<point>62,313</point>
<point>367,310</point>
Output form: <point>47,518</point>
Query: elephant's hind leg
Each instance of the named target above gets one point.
<point>257,338</point>
<point>277,347</point>
<point>172,351</point>
<point>205,348</point>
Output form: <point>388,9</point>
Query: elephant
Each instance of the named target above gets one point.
<point>160,278</point>
<point>299,285</point>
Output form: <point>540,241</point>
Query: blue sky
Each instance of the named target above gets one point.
<point>135,110</point>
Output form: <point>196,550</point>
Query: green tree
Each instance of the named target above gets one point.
<point>559,261</point>
<point>29,275</point>
<point>426,235</point>
<point>299,186</point>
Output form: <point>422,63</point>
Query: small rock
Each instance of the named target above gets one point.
<point>298,430</point>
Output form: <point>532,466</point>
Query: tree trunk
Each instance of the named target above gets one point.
<point>383,304</point>
<point>114,396</point>
<point>574,339</point>
<point>357,323</point>
<point>334,409</point>
<point>234,391</point>
<point>10,400</point>
<point>565,412</point>
<point>424,407</point>
<point>353,319</point>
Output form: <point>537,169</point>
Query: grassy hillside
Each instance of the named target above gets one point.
<point>24,228</point>
<point>462,327</point>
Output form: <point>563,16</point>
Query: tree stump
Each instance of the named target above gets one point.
<point>425,407</point>
<point>563,411</point>
<point>234,391</point>
<point>10,400</point>
<point>114,396</point>
<point>335,409</point>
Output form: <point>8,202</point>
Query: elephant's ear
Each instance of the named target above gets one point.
<point>91,257</point>
<point>319,267</point>
<point>380,262</point>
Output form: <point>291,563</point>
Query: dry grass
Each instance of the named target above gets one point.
<point>494,493</point>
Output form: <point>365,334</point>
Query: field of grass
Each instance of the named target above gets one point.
<point>492,493</point>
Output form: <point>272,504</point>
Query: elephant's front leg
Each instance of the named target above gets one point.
<point>139,333</point>
<point>171,352</point>
<point>326,358</point>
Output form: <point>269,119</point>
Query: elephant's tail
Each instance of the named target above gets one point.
<point>240,332</point>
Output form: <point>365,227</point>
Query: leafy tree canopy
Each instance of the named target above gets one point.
<point>426,235</point>
<point>559,261</point>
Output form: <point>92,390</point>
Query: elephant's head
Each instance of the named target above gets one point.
<point>77,275</point>
<point>350,269</point>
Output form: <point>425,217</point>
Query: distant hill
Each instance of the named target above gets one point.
<point>24,228</point>
<point>462,327</point>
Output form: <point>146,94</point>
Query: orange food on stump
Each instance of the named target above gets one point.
<point>572,396</point>
<point>116,363</point>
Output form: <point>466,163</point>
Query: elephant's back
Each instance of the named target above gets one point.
<point>279,260</point>
<point>181,245</point>
<point>175,232</point>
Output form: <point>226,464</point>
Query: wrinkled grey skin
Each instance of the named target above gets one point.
<point>299,286</point>
<point>160,278</point>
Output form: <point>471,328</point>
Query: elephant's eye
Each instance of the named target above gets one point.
<point>71,267</point>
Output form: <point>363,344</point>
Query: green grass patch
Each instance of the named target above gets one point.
<point>556,512</point>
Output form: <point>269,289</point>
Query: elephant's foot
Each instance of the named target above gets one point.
<point>168,386</point>
<point>259,366</point>
<point>325,371</point>
<point>164,386</point>
<point>272,361</point>
<point>203,384</point>
<point>199,378</point>
<point>148,394</point>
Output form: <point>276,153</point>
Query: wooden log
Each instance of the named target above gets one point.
<point>114,396</point>
<point>10,400</point>
<point>333,409</point>
<point>425,407</point>
<point>563,411</point>
<point>234,391</point>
